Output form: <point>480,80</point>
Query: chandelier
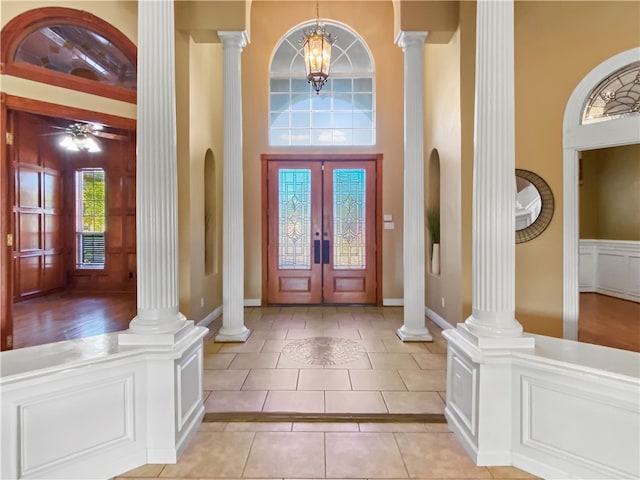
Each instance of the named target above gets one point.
<point>317,53</point>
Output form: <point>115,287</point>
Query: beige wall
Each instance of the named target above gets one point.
<point>374,22</point>
<point>199,111</point>
<point>610,193</point>
<point>442,132</point>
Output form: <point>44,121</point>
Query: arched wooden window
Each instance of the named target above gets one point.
<point>71,49</point>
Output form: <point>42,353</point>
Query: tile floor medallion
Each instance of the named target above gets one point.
<point>323,351</point>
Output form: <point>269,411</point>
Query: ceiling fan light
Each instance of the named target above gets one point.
<point>90,145</point>
<point>68,144</point>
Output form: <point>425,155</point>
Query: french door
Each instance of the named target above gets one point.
<point>321,232</point>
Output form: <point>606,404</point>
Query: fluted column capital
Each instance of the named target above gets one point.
<point>407,39</point>
<point>234,38</point>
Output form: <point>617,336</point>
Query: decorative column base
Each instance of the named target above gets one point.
<point>414,334</point>
<point>233,334</point>
<point>131,337</point>
<point>480,339</point>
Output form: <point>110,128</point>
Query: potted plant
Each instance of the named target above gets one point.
<point>433,225</point>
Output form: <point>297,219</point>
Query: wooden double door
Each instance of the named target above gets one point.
<point>322,235</point>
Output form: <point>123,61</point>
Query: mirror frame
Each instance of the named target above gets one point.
<point>546,211</point>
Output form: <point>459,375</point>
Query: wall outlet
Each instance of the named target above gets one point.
<point>442,302</point>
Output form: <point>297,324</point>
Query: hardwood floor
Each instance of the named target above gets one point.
<point>603,320</point>
<point>609,321</point>
<point>67,315</point>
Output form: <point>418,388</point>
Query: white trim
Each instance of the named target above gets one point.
<point>208,320</point>
<point>437,319</point>
<point>252,302</point>
<point>393,302</point>
<point>577,137</point>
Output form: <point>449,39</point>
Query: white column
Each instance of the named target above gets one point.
<point>158,318</point>
<point>414,328</point>
<point>493,243</point>
<point>233,329</point>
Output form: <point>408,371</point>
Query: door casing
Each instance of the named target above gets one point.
<point>377,158</point>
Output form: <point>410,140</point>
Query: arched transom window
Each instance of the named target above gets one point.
<point>343,113</point>
<point>616,96</point>
<point>77,51</point>
<point>72,49</point>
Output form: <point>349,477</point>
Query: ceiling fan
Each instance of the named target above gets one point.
<point>82,136</point>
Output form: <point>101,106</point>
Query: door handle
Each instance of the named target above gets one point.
<point>325,251</point>
<point>316,251</point>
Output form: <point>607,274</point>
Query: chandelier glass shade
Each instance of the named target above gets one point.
<point>317,55</point>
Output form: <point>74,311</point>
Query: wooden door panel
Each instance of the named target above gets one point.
<point>29,278</point>
<point>28,188</point>
<point>52,191</point>
<point>53,271</point>
<point>52,235</point>
<point>294,270</point>
<point>350,227</point>
<point>29,231</point>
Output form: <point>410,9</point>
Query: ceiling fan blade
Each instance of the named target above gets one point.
<point>110,136</point>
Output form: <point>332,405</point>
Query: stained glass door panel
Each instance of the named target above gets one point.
<point>349,275</point>
<point>294,223</point>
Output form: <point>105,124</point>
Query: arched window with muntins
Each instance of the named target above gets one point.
<point>343,113</point>
<point>616,96</point>
<point>71,49</point>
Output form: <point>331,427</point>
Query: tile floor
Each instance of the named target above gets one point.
<point>374,373</point>
<point>371,373</point>
<point>289,450</point>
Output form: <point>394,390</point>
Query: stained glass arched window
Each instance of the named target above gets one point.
<point>616,96</point>
<point>343,113</point>
<point>71,49</point>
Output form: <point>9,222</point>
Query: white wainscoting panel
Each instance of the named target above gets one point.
<point>550,404</point>
<point>59,426</point>
<point>610,267</point>
<point>189,384</point>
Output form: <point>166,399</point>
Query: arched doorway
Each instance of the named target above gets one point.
<point>578,136</point>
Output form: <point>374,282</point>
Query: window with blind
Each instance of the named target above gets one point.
<point>90,218</point>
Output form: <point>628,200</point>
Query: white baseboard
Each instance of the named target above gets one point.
<point>208,320</point>
<point>437,319</point>
<point>393,302</point>
<point>252,302</point>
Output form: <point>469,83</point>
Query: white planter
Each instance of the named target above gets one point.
<point>435,259</point>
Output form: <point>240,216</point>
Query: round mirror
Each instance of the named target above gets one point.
<point>534,205</point>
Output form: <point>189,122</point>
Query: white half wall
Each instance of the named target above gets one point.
<point>561,410</point>
<point>93,409</point>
